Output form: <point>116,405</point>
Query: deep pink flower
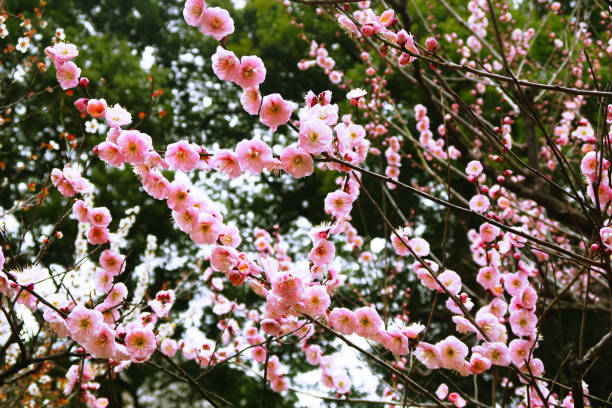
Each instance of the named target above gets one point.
<point>217,22</point>
<point>252,72</point>
<point>253,155</point>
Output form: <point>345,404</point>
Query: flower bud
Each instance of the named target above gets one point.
<point>432,45</point>
<point>84,82</point>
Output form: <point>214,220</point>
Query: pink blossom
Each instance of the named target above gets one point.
<point>225,64</point>
<point>520,351</point>
<point>185,219</point>
<point>99,217</point>
<point>343,320</point>
<point>117,116</point>
<point>259,354</point>
<point>68,74</point>
<point>98,235</point>
<point>182,156</point>
<point>288,286</point>
<point>488,277</point>
<point>322,253</point>
<point>479,203</point>
<point>179,198</point>
<point>297,162</point>
<point>369,322</point>
<point>110,153</point>
<point>96,108</point>
<point>80,211</point>
<point>217,22</point>
<point>316,300</point>
<point>102,344</point>
<point>528,297</point>
<point>452,352</point>
<point>140,344</point>
<point>489,232</point>
<point>252,72</point>
<point>342,383</point>
<point>479,364</point>
<point>112,262</point>
<point>169,347</point>
<point>275,111</point>
<point>451,281</point>
<point>442,391</point>
<point>606,236</point>
<point>313,354</point>
<point>523,322</point>
<point>253,155</point>
<point>395,341</point>
<point>419,246</point>
<point>474,168</point>
<point>271,327</point>
<point>117,294</point>
<point>279,384</point>
<point>193,12</point>
<point>314,136</point>
<point>223,258</point>
<point>226,162</point>
<point>497,353</point>
<point>62,52</point>
<point>398,244</point>
<point>134,146</point>
<point>205,229</point>
<point>251,100</point>
<point>230,236</point>
<point>83,323</point>
<point>104,281</point>
<point>338,203</point>
<point>156,185</point>
<point>428,354</point>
